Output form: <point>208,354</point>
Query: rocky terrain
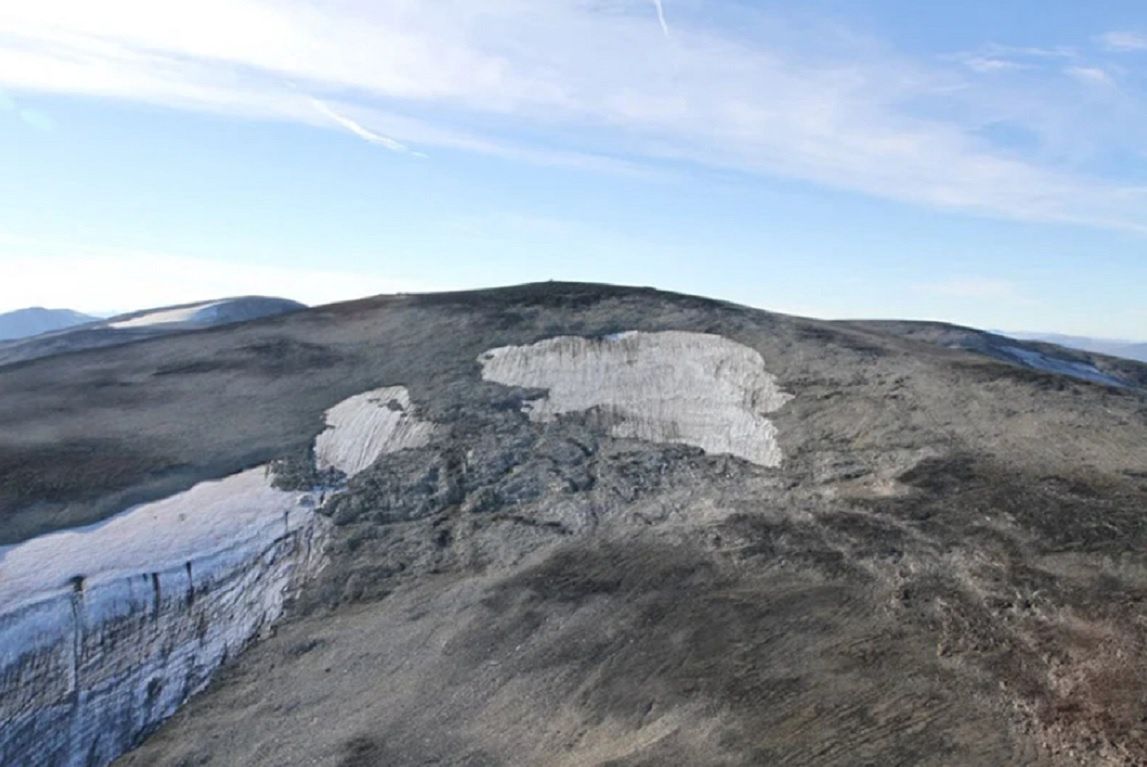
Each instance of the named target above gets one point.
<point>585,525</point>
<point>1106,367</point>
<point>1112,347</point>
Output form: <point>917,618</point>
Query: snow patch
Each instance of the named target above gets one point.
<point>186,314</point>
<point>691,388</point>
<point>1072,368</point>
<point>367,426</point>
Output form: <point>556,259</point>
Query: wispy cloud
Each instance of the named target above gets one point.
<point>1124,42</point>
<point>661,18</point>
<point>362,132</point>
<point>568,80</point>
<point>1090,75</point>
<point>985,64</point>
<point>33,118</point>
<point>994,57</point>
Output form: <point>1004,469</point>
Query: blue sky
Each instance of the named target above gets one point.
<point>983,163</point>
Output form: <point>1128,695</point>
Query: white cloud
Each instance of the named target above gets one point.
<point>363,133</point>
<point>1124,41</point>
<point>661,18</point>
<point>575,73</point>
<point>1090,76</point>
<point>986,64</point>
<point>33,118</point>
<point>97,279</point>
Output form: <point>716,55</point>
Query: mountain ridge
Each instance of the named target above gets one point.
<point>142,324</point>
<point>936,561</point>
<point>34,320</point>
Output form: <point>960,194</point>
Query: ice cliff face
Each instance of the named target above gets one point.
<point>155,601</point>
<point>691,388</point>
<point>107,630</point>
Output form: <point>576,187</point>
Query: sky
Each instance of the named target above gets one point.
<point>975,162</point>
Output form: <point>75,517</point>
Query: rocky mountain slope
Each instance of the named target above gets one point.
<point>1114,348</point>
<point>583,525</point>
<point>135,326</point>
<point>35,320</point>
<point>1086,365</point>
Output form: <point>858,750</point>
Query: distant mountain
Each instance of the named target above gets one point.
<point>35,320</point>
<point>140,325</point>
<point>1131,350</point>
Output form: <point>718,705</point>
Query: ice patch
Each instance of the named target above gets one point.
<point>108,629</point>
<point>194,313</point>
<point>690,388</point>
<point>1081,370</point>
<point>367,426</point>
<point>234,513</point>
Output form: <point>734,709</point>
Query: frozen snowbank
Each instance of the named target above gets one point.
<point>367,426</point>
<point>692,388</point>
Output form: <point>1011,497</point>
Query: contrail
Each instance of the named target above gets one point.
<point>363,132</point>
<point>661,18</point>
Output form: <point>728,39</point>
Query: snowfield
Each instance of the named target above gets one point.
<point>369,425</point>
<point>195,313</point>
<point>691,388</point>
<point>1081,370</point>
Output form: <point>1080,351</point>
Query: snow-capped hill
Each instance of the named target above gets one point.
<point>147,323</point>
<point>36,319</point>
<point>1131,350</point>
<point>206,313</point>
<point>1040,356</point>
